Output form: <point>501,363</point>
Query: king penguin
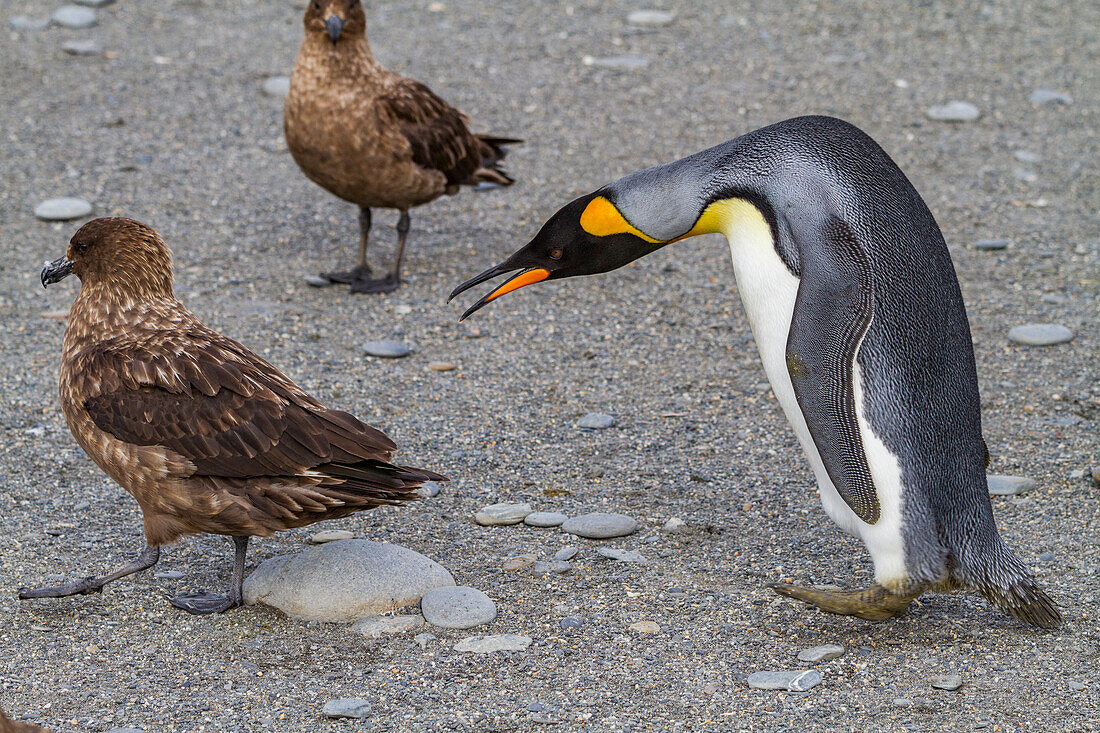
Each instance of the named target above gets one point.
<point>858,316</point>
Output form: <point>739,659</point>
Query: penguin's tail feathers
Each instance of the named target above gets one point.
<point>1007,583</point>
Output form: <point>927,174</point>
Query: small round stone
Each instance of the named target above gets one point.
<point>1009,485</point>
<point>822,653</point>
<point>386,349</point>
<point>441,366</point>
<point>954,112</point>
<point>29,23</point>
<point>502,514</point>
<point>566,553</point>
<point>545,519</point>
<point>316,281</point>
<point>991,244</point>
<point>457,607</point>
<point>596,421</point>
<point>600,526</point>
<point>645,627</point>
<point>1050,96</point>
<point>794,681</point>
<point>947,682</point>
<point>1040,334</point>
<point>330,535</point>
<point>277,86</point>
<point>650,18</point>
<point>429,489</point>
<point>571,622</point>
<point>84,47</point>
<point>62,209</point>
<point>73,16</point>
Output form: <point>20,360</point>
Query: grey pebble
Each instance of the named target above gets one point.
<point>1026,175</point>
<point>1009,485</point>
<point>1075,685</point>
<point>954,112</point>
<point>991,244</point>
<point>125,730</point>
<point>422,640</point>
<point>494,643</point>
<point>596,421</point>
<point>822,653</point>
<point>29,23</point>
<point>94,3</point>
<point>621,555</point>
<point>347,707</point>
<point>62,209</point>
<point>902,702</point>
<point>554,566</point>
<point>374,627</point>
<point>675,525</point>
<point>83,47</point>
<point>1040,334</point>
<point>316,281</point>
<point>330,535</point>
<point>947,682</point>
<point>1050,96</point>
<point>169,575</point>
<point>73,16</point>
<point>543,718</point>
<point>792,680</point>
<point>429,489</point>
<point>571,622</point>
<point>386,349</point>
<point>277,86</point>
<point>545,519</point>
<point>650,18</point>
<point>616,62</point>
<point>1047,557</point>
<point>1053,299</point>
<point>601,526</point>
<point>566,553</point>
<point>502,514</point>
<point>1026,156</point>
<point>457,607</point>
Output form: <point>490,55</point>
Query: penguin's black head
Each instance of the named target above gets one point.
<point>586,236</point>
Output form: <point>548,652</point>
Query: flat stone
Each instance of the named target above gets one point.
<point>554,566</point>
<point>276,86</point>
<point>822,653</point>
<point>566,553</point>
<point>1027,156</point>
<point>330,535</point>
<point>545,519</point>
<point>169,575</point>
<point>1009,485</point>
<point>125,730</point>
<point>600,526</point>
<point>612,553</point>
<point>502,514</point>
<point>793,681</point>
<point>596,421</point>
<point>386,349</point>
<point>518,562</point>
<point>954,112</point>
<point>73,16</point>
<point>495,643</point>
<point>29,22</point>
<point>84,47</point>
<point>94,3</point>
<point>991,244</point>
<point>62,209</point>
<point>344,581</point>
<point>316,281</point>
<point>422,640</point>
<point>1075,685</point>
<point>650,18</point>
<point>376,626</point>
<point>441,366</point>
<point>1050,96</point>
<point>1040,334</point>
<point>675,525</point>
<point>347,707</point>
<point>429,489</point>
<point>645,627</point>
<point>616,62</point>
<point>570,622</point>
<point>947,682</point>
<point>457,607</point>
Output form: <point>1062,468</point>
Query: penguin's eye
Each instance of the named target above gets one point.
<point>556,253</point>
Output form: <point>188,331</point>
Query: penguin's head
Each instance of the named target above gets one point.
<point>586,236</point>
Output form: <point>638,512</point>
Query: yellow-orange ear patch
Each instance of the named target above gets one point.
<point>601,219</point>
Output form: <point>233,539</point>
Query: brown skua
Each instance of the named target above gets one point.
<point>373,137</point>
<point>7,725</point>
<point>206,435</point>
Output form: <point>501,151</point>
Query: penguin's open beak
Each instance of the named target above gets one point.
<point>526,277</point>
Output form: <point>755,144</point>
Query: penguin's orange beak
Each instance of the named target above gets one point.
<point>527,277</point>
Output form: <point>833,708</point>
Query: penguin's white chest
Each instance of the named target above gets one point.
<point>768,291</point>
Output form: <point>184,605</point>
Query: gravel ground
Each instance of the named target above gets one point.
<point>172,127</point>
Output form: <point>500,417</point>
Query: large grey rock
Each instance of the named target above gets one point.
<point>73,16</point>
<point>347,707</point>
<point>345,580</point>
<point>457,607</point>
<point>62,209</point>
<point>600,525</point>
<point>1009,485</point>
<point>954,112</point>
<point>793,681</point>
<point>502,514</point>
<point>949,682</point>
<point>1040,334</point>
<point>495,643</point>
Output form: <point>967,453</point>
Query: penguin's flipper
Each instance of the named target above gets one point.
<point>832,311</point>
<point>876,603</point>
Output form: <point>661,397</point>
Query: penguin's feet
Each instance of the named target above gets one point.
<point>202,604</point>
<point>361,273</point>
<point>876,603</point>
<point>386,284</point>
